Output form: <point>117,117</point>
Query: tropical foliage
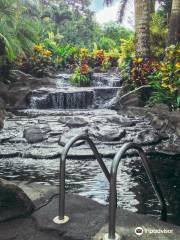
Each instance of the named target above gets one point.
<point>166,80</point>
<point>44,36</point>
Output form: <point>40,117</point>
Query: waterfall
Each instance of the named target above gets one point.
<point>64,96</point>
<point>63,100</point>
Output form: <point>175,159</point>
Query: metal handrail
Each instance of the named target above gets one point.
<point>113,196</point>
<point>63,166</point>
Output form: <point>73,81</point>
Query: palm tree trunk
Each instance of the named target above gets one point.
<point>142,20</point>
<point>152,6</point>
<point>174,26</point>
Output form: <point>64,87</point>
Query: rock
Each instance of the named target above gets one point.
<point>110,134</point>
<point>2,113</point>
<point>34,134</point>
<point>72,121</point>
<point>160,108</point>
<point>135,98</point>
<point>106,79</point>
<point>123,122</point>
<point>4,91</point>
<point>147,137</point>
<point>5,137</point>
<point>158,123</point>
<point>14,202</point>
<point>22,85</point>
<point>72,133</point>
<point>170,147</point>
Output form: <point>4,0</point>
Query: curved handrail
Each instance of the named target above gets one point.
<point>63,166</point>
<point>113,177</point>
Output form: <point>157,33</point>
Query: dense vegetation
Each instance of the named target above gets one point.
<point>42,36</point>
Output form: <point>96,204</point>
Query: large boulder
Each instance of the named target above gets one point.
<point>14,202</point>
<point>21,86</point>
<point>34,134</point>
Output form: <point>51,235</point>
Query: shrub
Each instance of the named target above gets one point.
<point>81,76</point>
<point>141,70</point>
<point>166,80</point>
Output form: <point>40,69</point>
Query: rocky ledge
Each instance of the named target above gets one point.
<point>88,220</point>
<point>166,124</point>
<point>14,92</point>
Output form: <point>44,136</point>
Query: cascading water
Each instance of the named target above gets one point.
<point>65,96</point>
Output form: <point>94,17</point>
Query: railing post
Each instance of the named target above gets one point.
<point>61,218</point>
<point>112,235</point>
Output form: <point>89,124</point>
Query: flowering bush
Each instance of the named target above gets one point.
<point>83,54</point>
<point>38,62</point>
<point>81,76</point>
<point>99,57</point>
<point>127,52</point>
<point>166,81</point>
<point>141,70</point>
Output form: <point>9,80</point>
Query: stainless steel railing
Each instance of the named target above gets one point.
<point>113,196</point>
<point>66,149</point>
<point>111,177</point>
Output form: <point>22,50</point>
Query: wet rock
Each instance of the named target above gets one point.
<point>2,113</point>
<point>135,98</point>
<point>14,202</point>
<point>3,91</point>
<point>72,133</point>
<point>170,147</point>
<point>5,138</point>
<point>160,108</point>
<point>106,79</point>
<point>147,136</point>
<point>22,85</point>
<point>123,122</point>
<point>34,134</point>
<point>110,134</point>
<point>73,121</point>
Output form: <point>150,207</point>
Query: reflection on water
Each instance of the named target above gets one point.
<point>86,178</point>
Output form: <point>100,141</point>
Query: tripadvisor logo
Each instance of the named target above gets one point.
<point>139,231</point>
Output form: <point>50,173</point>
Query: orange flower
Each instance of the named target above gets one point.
<point>84,69</point>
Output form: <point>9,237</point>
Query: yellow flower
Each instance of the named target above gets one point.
<point>177,65</point>
<point>120,61</point>
<point>138,60</point>
<point>38,47</point>
<point>47,53</point>
<point>83,53</point>
<point>165,85</point>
